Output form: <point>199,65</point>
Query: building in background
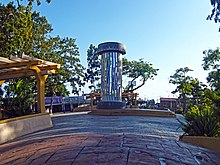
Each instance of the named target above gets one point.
<point>170,103</point>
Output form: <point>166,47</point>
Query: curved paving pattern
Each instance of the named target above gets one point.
<point>88,139</point>
<point>68,124</point>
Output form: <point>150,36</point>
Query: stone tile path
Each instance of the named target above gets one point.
<point>106,140</point>
<point>88,148</point>
<point>83,123</point>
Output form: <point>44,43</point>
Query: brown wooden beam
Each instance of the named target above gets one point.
<point>23,73</point>
<point>1,82</point>
<point>52,67</point>
<point>44,62</point>
<point>19,64</point>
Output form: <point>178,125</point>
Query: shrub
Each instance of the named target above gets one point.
<point>201,121</point>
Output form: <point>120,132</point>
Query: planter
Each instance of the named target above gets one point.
<point>212,143</point>
<point>15,127</point>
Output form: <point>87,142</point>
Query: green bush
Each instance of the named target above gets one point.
<point>201,121</point>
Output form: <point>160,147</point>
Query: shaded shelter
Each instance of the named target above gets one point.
<point>26,66</point>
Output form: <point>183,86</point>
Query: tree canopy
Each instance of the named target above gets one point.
<point>30,2</point>
<point>137,71</point>
<point>93,73</point>
<point>26,31</point>
<point>182,81</point>
<point>215,11</point>
<point>211,63</point>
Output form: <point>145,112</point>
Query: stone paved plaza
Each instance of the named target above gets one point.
<point>89,139</point>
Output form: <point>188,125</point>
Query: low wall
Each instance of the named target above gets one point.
<point>212,143</point>
<point>15,127</point>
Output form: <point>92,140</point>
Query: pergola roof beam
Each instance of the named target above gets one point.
<point>23,73</point>
<point>19,64</point>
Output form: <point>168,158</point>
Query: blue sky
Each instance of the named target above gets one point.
<point>169,34</point>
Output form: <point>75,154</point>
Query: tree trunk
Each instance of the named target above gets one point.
<point>184,103</point>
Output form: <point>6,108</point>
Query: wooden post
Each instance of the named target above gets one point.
<point>1,82</point>
<point>41,93</point>
<point>41,79</point>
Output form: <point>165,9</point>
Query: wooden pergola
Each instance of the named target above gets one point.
<point>27,66</point>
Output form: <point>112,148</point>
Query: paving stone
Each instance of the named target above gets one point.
<point>14,157</point>
<point>61,162</point>
<point>204,157</point>
<point>90,142</point>
<point>112,158</point>
<point>162,154</point>
<point>87,150</point>
<point>145,140</point>
<point>170,144</point>
<point>63,155</point>
<point>140,139</point>
<point>156,146</point>
<point>173,162</point>
<point>191,147</point>
<point>176,150</point>
<point>42,159</point>
<point>149,139</point>
<point>138,156</point>
<point>106,142</point>
<point>90,158</point>
<point>215,157</point>
<point>21,161</point>
<point>189,160</point>
<point>131,145</point>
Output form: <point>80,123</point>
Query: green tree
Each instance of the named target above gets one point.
<point>33,37</point>
<point>137,71</point>
<point>184,87</point>
<point>197,91</point>
<point>24,30</point>
<point>16,29</point>
<point>30,2</point>
<point>20,99</point>
<point>203,117</point>
<point>215,11</point>
<point>211,63</point>
<point>93,73</point>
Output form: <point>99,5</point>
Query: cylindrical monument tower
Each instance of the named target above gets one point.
<point>111,75</point>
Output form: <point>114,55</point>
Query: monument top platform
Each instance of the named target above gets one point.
<point>111,47</point>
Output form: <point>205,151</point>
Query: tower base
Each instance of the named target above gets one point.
<point>110,105</point>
